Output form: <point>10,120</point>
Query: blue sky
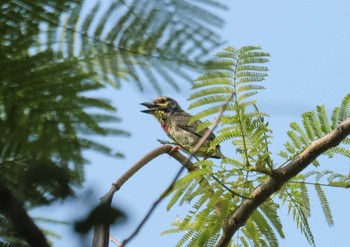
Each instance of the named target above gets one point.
<point>310,65</point>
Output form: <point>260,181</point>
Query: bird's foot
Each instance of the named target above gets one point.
<point>174,149</point>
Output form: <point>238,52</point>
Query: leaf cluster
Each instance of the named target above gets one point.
<point>315,124</point>
<point>217,190</point>
<point>236,74</point>
<point>130,40</point>
<point>47,119</point>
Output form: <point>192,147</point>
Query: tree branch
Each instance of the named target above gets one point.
<point>13,210</point>
<point>101,232</point>
<point>279,178</point>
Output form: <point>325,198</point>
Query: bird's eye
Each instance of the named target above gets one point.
<point>162,101</point>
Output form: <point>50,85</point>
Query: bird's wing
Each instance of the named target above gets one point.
<point>183,123</point>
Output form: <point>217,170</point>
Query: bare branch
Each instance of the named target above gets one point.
<point>101,232</point>
<point>157,202</point>
<point>279,178</point>
<point>13,210</point>
<point>115,241</point>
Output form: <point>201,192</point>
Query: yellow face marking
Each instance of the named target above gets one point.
<point>161,101</point>
<point>159,114</point>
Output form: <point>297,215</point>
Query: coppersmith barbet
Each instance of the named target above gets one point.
<point>175,122</point>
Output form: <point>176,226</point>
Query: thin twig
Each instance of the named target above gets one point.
<point>229,190</point>
<point>115,241</point>
<point>321,184</point>
<point>101,232</point>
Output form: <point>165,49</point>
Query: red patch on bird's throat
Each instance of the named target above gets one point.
<point>162,123</point>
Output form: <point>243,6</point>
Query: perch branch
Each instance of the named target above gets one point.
<point>101,232</point>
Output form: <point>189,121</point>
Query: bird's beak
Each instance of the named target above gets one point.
<point>149,104</point>
<point>151,107</point>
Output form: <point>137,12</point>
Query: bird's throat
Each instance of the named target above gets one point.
<point>163,124</point>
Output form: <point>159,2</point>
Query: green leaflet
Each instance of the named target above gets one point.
<point>324,205</point>
<point>269,209</point>
<point>316,124</point>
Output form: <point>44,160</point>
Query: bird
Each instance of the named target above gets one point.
<point>176,124</point>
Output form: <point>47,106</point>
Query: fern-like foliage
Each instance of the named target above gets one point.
<point>234,75</point>
<point>296,196</point>
<point>232,80</point>
<point>47,109</point>
<point>334,179</point>
<point>9,237</point>
<point>315,124</point>
<point>130,40</point>
<point>46,117</point>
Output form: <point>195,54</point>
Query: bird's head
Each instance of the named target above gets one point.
<point>161,105</point>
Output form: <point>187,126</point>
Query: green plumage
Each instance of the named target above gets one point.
<point>176,123</point>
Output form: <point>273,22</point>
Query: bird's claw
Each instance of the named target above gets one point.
<point>174,149</point>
